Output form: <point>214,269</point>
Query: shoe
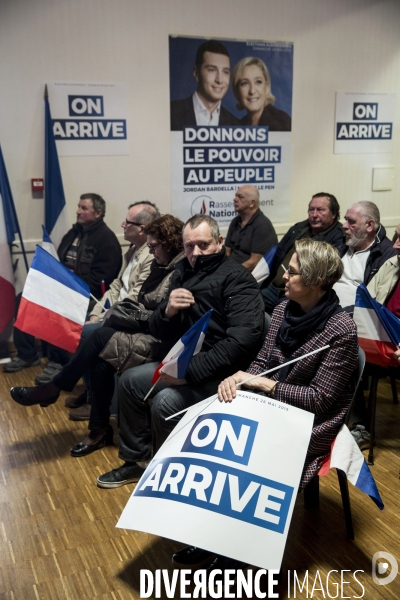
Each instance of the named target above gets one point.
<point>192,557</point>
<point>80,414</point>
<point>127,473</point>
<point>76,401</point>
<point>48,374</point>
<point>43,395</point>
<point>361,436</point>
<point>105,439</point>
<point>17,364</point>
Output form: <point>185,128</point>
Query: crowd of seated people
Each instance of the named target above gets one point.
<point>189,273</point>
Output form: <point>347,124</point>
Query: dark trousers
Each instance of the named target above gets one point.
<point>136,416</point>
<point>25,345</point>
<point>86,358</point>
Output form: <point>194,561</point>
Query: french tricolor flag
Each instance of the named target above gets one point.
<point>347,456</point>
<point>177,361</point>
<point>54,302</point>
<point>263,268</point>
<point>47,244</point>
<point>378,329</point>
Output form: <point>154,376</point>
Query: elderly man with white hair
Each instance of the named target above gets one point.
<point>367,248</point>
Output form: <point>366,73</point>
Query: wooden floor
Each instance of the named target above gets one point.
<point>58,538</point>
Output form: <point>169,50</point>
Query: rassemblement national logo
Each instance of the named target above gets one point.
<point>205,205</point>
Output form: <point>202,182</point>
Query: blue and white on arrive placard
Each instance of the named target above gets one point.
<point>89,119</point>
<point>226,479</point>
<point>364,123</point>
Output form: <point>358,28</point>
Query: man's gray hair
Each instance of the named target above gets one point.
<point>370,211</point>
<point>197,220</point>
<point>149,212</point>
<point>98,202</point>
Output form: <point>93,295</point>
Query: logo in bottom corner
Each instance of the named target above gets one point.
<point>200,205</point>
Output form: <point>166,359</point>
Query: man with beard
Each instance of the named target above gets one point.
<point>366,249</point>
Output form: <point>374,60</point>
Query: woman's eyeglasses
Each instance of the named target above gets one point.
<point>290,271</point>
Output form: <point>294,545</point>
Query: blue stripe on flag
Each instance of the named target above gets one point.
<point>389,321</point>
<point>48,265</point>
<point>54,190</point>
<point>189,340</point>
<point>366,484</point>
<point>46,237</point>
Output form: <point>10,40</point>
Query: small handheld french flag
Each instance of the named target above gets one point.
<point>177,361</point>
<point>378,329</point>
<point>263,268</point>
<point>54,302</point>
<point>347,456</point>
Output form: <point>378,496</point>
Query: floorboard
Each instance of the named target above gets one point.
<point>58,538</point>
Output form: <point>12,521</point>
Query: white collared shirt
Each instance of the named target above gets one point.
<point>123,292</point>
<point>354,263</point>
<point>203,115</point>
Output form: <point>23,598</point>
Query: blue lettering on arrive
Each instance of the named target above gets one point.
<point>225,436</point>
<point>85,106</point>
<point>219,488</point>
<point>364,131</point>
<point>89,129</point>
<point>365,111</point>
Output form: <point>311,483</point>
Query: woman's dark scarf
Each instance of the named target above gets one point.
<point>296,324</point>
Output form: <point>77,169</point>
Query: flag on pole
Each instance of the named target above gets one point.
<point>7,291</point>
<point>347,456</point>
<point>54,302</point>
<point>177,361</point>
<point>378,329</point>
<point>48,245</point>
<point>56,219</point>
<point>263,268</point>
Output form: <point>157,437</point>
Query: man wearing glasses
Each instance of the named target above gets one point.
<point>137,261</point>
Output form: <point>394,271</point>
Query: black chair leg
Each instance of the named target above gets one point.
<point>344,490</point>
<point>311,494</point>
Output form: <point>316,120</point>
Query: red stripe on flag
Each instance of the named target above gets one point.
<point>7,302</point>
<point>48,325</point>
<point>156,374</point>
<point>378,353</point>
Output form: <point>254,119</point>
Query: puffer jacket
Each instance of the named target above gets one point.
<point>126,350</point>
<point>236,329</point>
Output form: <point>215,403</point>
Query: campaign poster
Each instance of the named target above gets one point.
<point>230,121</point>
<point>89,119</point>
<point>364,122</point>
<point>226,479</point>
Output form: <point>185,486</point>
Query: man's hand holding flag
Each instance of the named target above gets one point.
<point>177,361</point>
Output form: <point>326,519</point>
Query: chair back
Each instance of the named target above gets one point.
<point>356,379</point>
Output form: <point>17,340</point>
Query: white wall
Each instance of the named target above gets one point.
<point>339,45</point>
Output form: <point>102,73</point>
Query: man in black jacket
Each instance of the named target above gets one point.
<point>322,225</point>
<point>92,251</point>
<point>206,279</point>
